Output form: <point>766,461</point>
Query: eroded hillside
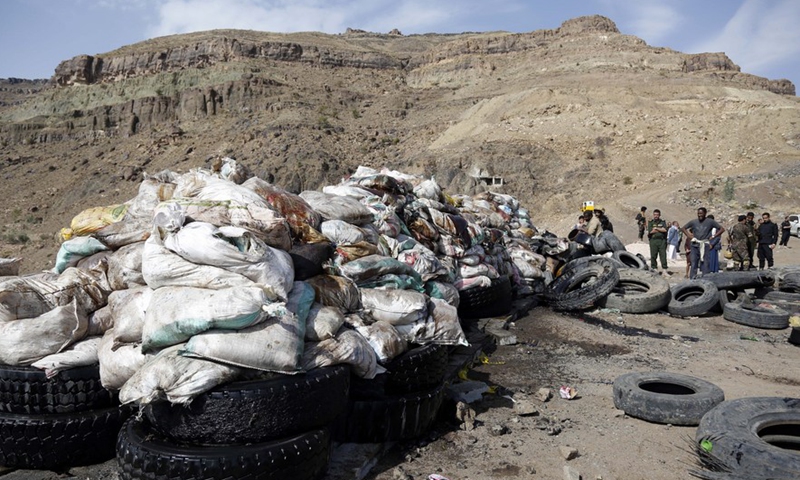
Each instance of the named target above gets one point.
<point>579,112</point>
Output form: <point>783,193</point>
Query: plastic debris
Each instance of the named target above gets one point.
<point>567,392</point>
<point>434,476</point>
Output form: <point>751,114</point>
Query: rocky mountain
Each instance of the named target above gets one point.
<point>554,117</point>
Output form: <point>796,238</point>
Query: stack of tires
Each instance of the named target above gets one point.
<point>56,423</point>
<point>397,405</point>
<point>278,427</point>
<point>485,302</point>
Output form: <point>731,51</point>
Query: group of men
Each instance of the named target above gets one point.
<point>748,237</point>
<point>702,242</point>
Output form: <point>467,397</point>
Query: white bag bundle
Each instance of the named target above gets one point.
<point>348,347</point>
<point>125,267</point>
<point>384,339</point>
<point>235,250</point>
<point>340,232</point>
<point>19,298</point>
<point>428,189</point>
<point>443,291</point>
<point>78,355</point>
<point>323,322</point>
<point>9,267</point>
<point>530,264</point>
<point>128,309</point>
<point>177,313</point>
<point>470,271</point>
<point>275,345</point>
<point>75,249</point>
<point>334,207</point>
<point>89,287</point>
<point>177,378</point>
<point>118,364</point>
<point>100,321</point>
<point>441,327</point>
<point>23,342</point>
<point>397,307</point>
<point>163,268</point>
<point>347,191</point>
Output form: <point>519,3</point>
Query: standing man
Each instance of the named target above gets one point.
<point>641,222</point>
<point>698,233</point>
<point>767,239</point>
<point>593,226</point>
<point>786,230</point>
<point>604,221</point>
<point>673,241</point>
<point>751,238</point>
<point>738,241</point>
<point>657,235</point>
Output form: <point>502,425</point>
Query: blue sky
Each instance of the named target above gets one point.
<point>761,36</point>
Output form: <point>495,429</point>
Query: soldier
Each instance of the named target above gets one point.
<point>657,236</point>
<point>752,239</point>
<point>738,238</point>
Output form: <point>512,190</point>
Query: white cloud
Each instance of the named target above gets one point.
<point>761,36</point>
<point>651,20</point>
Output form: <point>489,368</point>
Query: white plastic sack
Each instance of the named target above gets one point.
<point>443,291</point>
<point>441,327</point>
<point>334,207</point>
<point>384,339</point>
<point>300,300</point>
<point>177,313</point>
<point>428,189</point>
<point>163,268</point>
<point>125,267</point>
<point>100,321</point>
<point>9,267</point>
<point>23,342</point>
<point>323,322</point>
<point>177,378</point>
<point>128,309</point>
<point>348,347</point>
<point>340,232</point>
<point>396,307</point>
<point>275,345</point>
<point>80,354</point>
<point>235,250</point>
<point>118,364</point>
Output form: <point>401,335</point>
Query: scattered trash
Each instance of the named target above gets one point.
<point>567,392</point>
<point>484,359</point>
<point>748,337</point>
<point>434,476</point>
<point>706,445</point>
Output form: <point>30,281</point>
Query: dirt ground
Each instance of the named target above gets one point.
<point>587,352</point>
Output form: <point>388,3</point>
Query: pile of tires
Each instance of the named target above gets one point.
<point>268,428</point>
<point>397,405</point>
<point>56,423</point>
<point>723,292</point>
<point>485,302</point>
<point>638,291</point>
<point>582,283</point>
<point>751,438</point>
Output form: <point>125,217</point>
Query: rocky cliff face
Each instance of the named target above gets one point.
<point>582,111</point>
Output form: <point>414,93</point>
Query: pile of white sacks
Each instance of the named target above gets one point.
<point>202,279</point>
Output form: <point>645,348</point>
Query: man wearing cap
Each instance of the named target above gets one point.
<point>604,221</point>
<point>641,222</point>
<point>657,236</point>
<point>738,241</point>
<point>752,239</point>
<point>698,233</point>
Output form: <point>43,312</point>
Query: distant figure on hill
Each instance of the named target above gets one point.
<point>641,222</point>
<point>604,221</point>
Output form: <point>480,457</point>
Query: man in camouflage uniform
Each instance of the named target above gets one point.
<point>752,238</point>
<point>740,236</point>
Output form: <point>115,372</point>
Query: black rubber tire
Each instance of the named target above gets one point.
<point>485,302</point>
<point>792,308</point>
<point>143,454</point>
<point>727,296</point>
<point>743,435</point>
<point>741,280</point>
<point>59,440</point>
<point>785,296</point>
<point>389,419</point>
<point>27,390</point>
<point>630,260</point>
<point>755,316</point>
<point>693,298</point>
<point>790,283</point>
<point>308,258</point>
<point>257,410</point>
<point>794,336</point>
<point>582,283</point>
<point>663,397</point>
<point>607,242</point>
<point>421,368</point>
<point>638,291</point>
